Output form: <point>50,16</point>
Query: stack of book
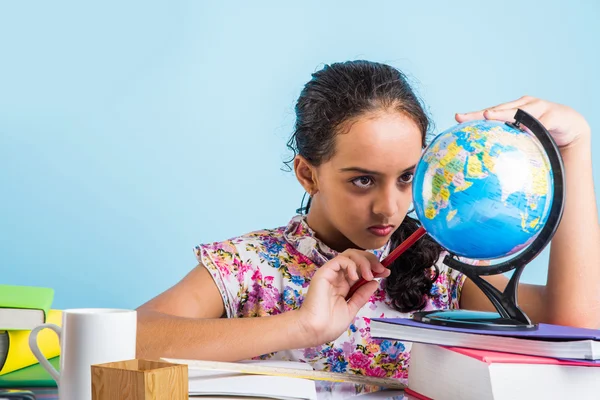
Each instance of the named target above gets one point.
<point>550,362</point>
<point>22,308</point>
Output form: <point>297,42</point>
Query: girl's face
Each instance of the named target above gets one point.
<point>365,190</point>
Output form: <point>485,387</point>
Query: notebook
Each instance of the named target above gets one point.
<point>548,340</point>
<point>204,383</point>
<point>443,373</point>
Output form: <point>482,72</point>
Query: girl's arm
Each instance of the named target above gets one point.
<point>572,292</point>
<point>184,321</point>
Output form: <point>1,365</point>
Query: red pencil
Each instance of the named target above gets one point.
<point>392,256</point>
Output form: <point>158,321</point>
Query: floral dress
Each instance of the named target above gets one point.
<point>268,272</point>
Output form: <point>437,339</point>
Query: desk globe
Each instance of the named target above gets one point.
<point>488,190</point>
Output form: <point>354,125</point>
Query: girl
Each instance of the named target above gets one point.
<point>359,132</point>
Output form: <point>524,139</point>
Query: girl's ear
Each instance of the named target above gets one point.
<point>306,175</point>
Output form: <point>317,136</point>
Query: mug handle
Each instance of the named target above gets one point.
<point>33,345</point>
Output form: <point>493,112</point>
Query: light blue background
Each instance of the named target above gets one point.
<point>131,131</point>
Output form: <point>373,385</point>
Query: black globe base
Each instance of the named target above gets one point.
<point>481,320</point>
<point>508,316</point>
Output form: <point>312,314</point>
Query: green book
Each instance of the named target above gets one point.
<point>24,307</point>
<point>32,376</point>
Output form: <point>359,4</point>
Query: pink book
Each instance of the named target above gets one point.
<point>490,357</point>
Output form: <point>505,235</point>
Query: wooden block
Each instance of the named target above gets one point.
<point>139,380</point>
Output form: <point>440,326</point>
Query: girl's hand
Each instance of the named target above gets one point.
<point>325,314</point>
<point>566,125</point>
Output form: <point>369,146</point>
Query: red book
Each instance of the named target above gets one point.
<point>416,395</point>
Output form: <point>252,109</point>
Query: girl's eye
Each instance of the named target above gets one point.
<point>407,178</point>
<point>362,182</point>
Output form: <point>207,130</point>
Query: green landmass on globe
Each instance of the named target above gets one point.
<point>483,189</point>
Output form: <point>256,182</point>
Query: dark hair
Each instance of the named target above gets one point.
<point>335,95</point>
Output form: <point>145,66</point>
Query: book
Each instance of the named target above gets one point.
<point>547,341</point>
<point>232,384</point>
<point>24,307</point>
<point>14,345</point>
<point>443,373</point>
<point>32,376</point>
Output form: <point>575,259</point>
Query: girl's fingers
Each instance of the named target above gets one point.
<point>376,265</point>
<point>356,264</point>
<point>520,102</point>
<point>507,115</point>
<point>386,272</point>
<point>361,296</point>
<point>352,272</point>
<point>535,109</point>
<point>474,115</point>
<point>347,267</point>
<point>363,265</point>
<point>368,263</point>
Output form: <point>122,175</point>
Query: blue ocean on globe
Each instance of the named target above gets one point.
<point>483,189</point>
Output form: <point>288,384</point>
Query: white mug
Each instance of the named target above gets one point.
<point>88,336</point>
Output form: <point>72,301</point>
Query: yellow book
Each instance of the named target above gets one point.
<point>19,354</point>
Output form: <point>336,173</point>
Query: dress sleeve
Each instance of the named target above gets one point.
<point>222,260</point>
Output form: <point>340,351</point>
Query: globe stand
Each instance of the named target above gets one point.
<point>509,316</point>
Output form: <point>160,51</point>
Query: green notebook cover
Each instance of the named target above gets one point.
<point>40,298</point>
<point>32,376</point>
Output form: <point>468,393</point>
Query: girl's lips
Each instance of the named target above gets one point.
<point>381,230</point>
